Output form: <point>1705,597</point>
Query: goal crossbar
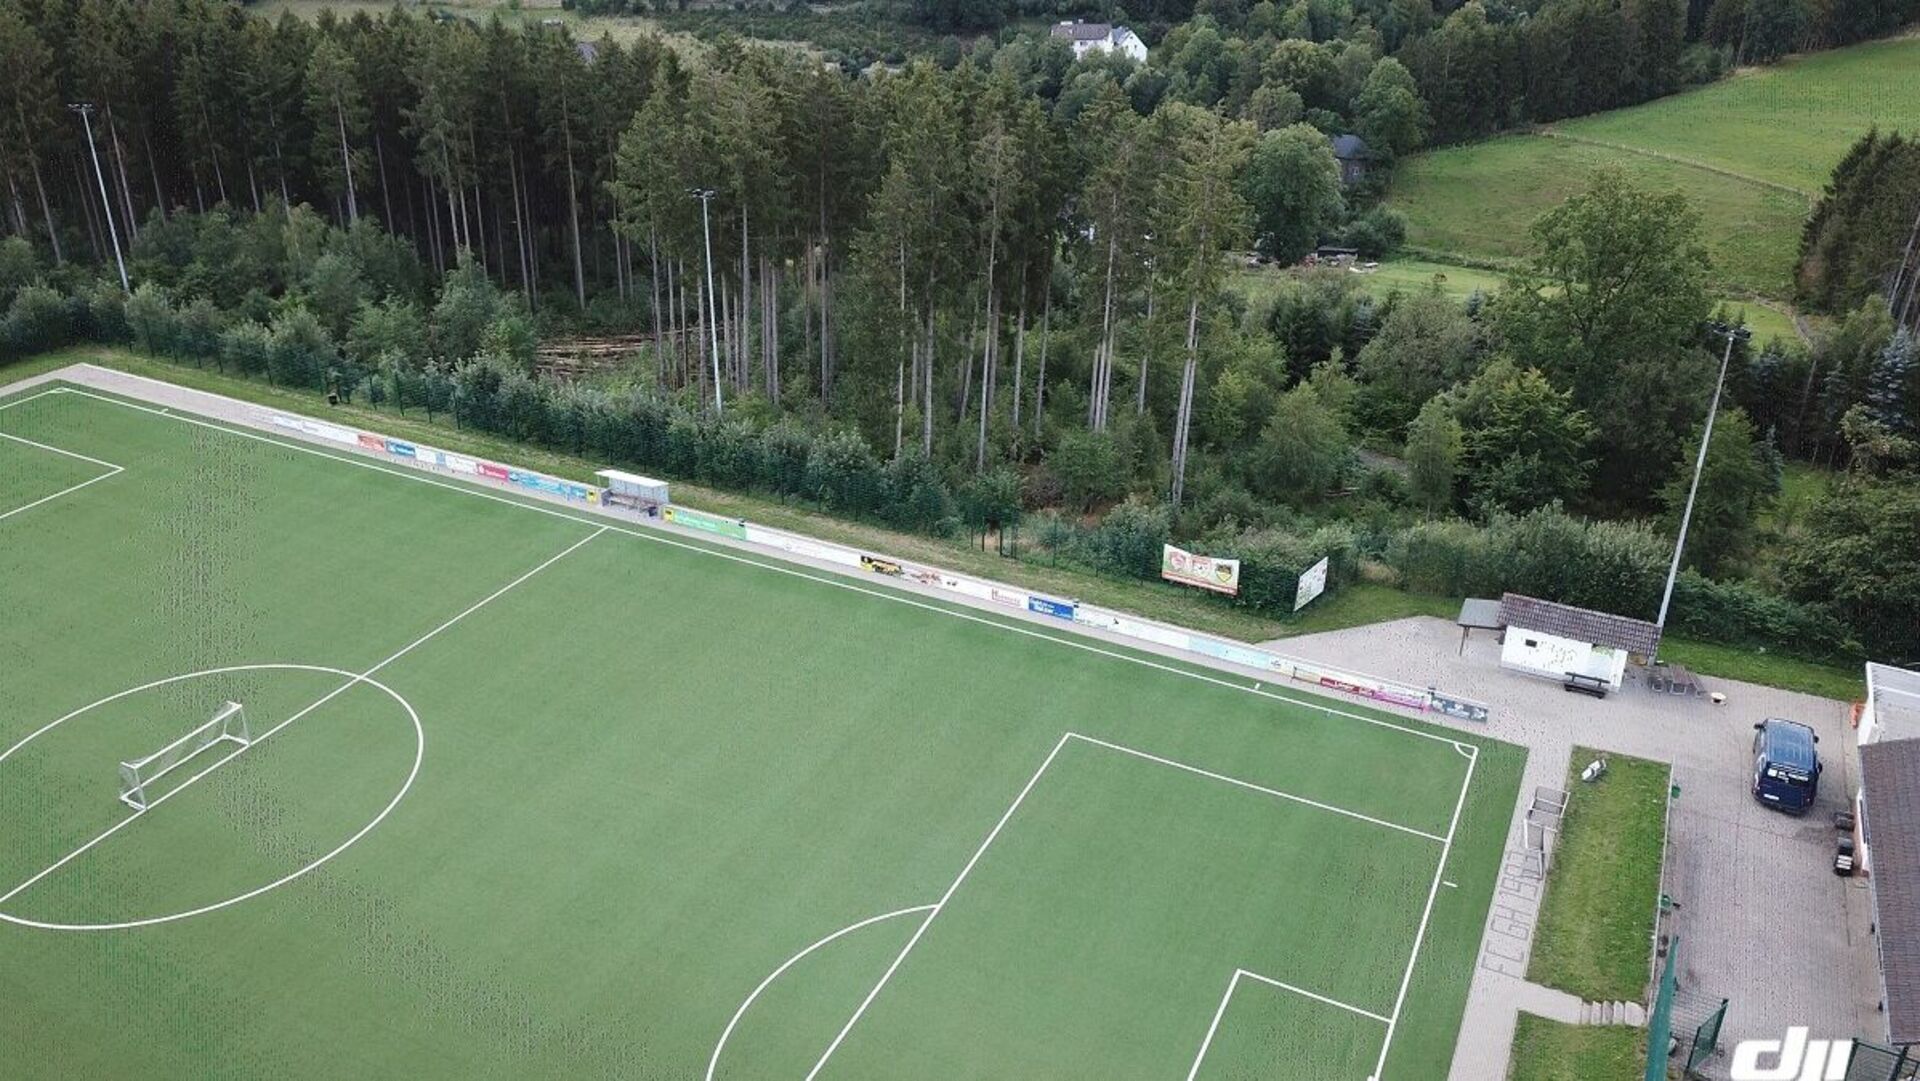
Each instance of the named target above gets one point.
<point>228,724</point>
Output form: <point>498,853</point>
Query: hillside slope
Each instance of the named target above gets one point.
<point>1751,151</point>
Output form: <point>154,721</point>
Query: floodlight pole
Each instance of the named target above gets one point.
<point>85,109</point>
<point>713,324</point>
<point>1732,334</point>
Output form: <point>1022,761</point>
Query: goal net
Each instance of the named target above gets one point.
<point>229,725</point>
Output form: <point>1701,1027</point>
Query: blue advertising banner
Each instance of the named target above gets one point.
<point>399,449</point>
<point>1047,607</point>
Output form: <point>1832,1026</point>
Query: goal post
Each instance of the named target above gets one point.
<point>228,724</point>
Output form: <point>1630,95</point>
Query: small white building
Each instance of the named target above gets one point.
<point>1575,646</point>
<point>1101,37</point>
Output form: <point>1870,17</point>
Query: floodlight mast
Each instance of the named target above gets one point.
<point>705,195</point>
<point>85,109</point>
<point>1733,333</point>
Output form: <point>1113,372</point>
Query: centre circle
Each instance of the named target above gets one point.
<point>419,755</point>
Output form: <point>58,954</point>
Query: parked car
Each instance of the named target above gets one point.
<point>1786,765</point>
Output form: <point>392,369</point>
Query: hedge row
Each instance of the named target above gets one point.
<point>1610,566</point>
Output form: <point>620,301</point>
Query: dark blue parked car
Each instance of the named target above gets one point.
<point>1786,767</point>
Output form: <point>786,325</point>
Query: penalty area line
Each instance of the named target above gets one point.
<point>269,733</point>
<point>1233,984</point>
<point>112,470</point>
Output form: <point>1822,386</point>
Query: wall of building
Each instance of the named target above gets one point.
<point>1552,657</point>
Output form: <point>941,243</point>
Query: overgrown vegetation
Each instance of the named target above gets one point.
<point>1595,933</point>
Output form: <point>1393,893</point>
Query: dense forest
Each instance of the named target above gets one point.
<point>938,296</point>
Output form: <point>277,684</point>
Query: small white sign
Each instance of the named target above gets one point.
<point>1313,582</point>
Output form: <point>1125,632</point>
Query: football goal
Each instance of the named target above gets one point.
<point>229,725</point>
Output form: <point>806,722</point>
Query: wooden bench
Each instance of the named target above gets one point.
<point>1577,683</point>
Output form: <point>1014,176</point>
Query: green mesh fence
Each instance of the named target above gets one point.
<point>1660,1024</point>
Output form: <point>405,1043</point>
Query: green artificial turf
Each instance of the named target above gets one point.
<point>1595,934</point>
<point>651,774</point>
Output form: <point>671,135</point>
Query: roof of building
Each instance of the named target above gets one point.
<point>1894,694</point>
<point>1579,624</point>
<point>1890,772</point>
<point>1478,613</point>
<point>1349,147</point>
<point>1075,31</point>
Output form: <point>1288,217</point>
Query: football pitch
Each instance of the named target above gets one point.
<point>523,792</point>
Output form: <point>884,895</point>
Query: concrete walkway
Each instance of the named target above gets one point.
<point>1763,920</point>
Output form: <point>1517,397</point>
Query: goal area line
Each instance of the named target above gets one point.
<point>111,470</point>
<point>1389,1020</point>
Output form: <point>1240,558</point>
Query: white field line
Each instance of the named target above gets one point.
<point>323,700</point>
<point>111,469</point>
<point>893,596</point>
<point>935,914</point>
<point>1406,978</point>
<point>32,397</point>
<point>64,491</point>
<point>1156,759</point>
<point>714,1062</point>
<point>1426,915</point>
<point>1328,807</point>
<point>1233,984</point>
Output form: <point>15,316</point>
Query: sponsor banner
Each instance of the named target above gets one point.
<point>1206,572</point>
<point>979,590</point>
<point>398,449</point>
<point>493,472</point>
<point>1231,651</point>
<point>1379,692</point>
<point>787,542</point>
<point>461,465</point>
<point>1313,582</point>
<point>1049,607</point>
<point>1460,709</point>
<point>429,456</point>
<point>1151,632</point>
<point>705,523</point>
<point>881,566</point>
<point>1098,618</point>
<point>371,442</point>
<point>1009,597</point>
<point>330,432</point>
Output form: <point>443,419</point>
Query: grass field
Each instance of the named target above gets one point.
<point>1478,200</point>
<point>528,796</point>
<point>1410,275</point>
<point>1751,151</point>
<point>1595,935</point>
<point>1546,1050</point>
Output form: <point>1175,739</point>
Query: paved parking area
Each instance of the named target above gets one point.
<point>1763,920</point>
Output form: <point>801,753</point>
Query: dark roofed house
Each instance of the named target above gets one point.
<point>1354,157</point>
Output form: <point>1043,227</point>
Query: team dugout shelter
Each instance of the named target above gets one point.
<point>622,489</point>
